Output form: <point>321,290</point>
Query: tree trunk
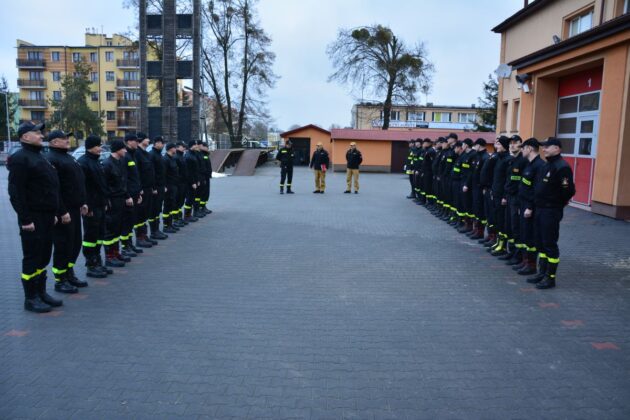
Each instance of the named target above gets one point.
<point>241,112</point>
<point>387,106</point>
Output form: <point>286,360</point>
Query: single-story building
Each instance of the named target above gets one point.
<point>304,140</point>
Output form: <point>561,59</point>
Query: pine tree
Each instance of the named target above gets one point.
<point>487,120</point>
<point>4,88</point>
<point>72,112</point>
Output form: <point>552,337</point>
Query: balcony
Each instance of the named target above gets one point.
<point>124,124</point>
<point>128,103</point>
<point>32,84</point>
<point>31,63</point>
<point>33,103</point>
<point>131,63</point>
<point>135,84</point>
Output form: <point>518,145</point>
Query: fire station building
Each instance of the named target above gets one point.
<point>565,72</point>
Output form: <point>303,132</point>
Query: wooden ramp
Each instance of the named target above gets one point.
<point>248,162</point>
<point>218,158</point>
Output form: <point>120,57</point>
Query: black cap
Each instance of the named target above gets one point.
<point>441,139</point>
<point>418,140</point>
<point>427,140</point>
<point>130,136</point>
<point>141,136</point>
<point>180,143</point>
<point>199,143</point>
<point>92,141</point>
<point>116,145</point>
<point>58,134</point>
<point>451,136</point>
<point>191,144</point>
<point>533,142</point>
<point>157,139</point>
<point>480,142</point>
<point>169,146</point>
<point>505,142</point>
<point>457,144</point>
<point>468,141</point>
<point>551,141</point>
<point>412,141</point>
<point>29,126</point>
<point>516,137</point>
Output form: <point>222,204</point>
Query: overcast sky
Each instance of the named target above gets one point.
<point>457,35</point>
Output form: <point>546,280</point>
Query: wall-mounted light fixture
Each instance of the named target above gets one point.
<point>523,82</point>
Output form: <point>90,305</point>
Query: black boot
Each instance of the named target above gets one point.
<point>43,294</point>
<point>549,281</point>
<point>100,266</point>
<point>32,301</point>
<point>73,280</point>
<point>517,257</point>
<point>127,250</point>
<point>542,270</point>
<point>92,269</point>
<point>289,191</point>
<point>63,286</point>
<point>142,242</point>
<point>510,249</point>
<point>281,190</point>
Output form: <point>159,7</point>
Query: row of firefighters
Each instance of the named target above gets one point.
<point>65,205</point>
<point>511,200</point>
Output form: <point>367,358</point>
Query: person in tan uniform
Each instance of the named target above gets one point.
<point>320,162</point>
<point>353,159</point>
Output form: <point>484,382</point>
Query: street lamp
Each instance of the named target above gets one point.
<point>6,108</point>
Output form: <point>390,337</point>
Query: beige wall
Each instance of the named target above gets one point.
<point>376,154</point>
<point>363,115</point>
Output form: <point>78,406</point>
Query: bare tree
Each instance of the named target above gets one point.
<point>373,58</point>
<point>237,62</point>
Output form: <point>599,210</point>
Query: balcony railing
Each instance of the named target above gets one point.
<point>128,103</point>
<point>28,62</point>
<point>33,103</point>
<point>128,62</point>
<point>127,123</point>
<point>27,83</point>
<point>128,83</point>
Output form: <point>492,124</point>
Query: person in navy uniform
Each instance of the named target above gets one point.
<point>34,195</point>
<point>553,189</point>
<point>285,158</point>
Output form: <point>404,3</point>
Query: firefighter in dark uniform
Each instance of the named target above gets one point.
<point>120,201</point>
<point>192,181</point>
<point>94,220</point>
<point>513,181</point>
<point>182,187</point>
<point>408,167</point>
<point>465,187</point>
<point>204,150</point>
<point>479,159</point>
<point>426,172</point>
<point>134,189</point>
<point>34,195</point>
<point>436,208</point>
<point>72,204</point>
<point>455,183</point>
<point>527,211</point>
<point>445,176</point>
<point>416,164</point>
<point>486,180</point>
<point>149,192</point>
<point>499,200</point>
<point>202,180</point>
<point>285,158</point>
<point>172,181</point>
<point>160,184</point>
<point>552,191</point>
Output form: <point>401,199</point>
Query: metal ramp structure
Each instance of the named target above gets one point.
<point>219,158</point>
<point>248,161</point>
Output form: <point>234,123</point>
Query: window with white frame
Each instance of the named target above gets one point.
<point>93,57</point>
<point>581,23</point>
<point>415,116</point>
<point>57,95</point>
<point>35,75</point>
<point>36,95</point>
<point>76,57</point>
<point>94,96</point>
<point>131,75</point>
<point>56,76</point>
<point>94,77</point>
<point>109,76</point>
<point>34,55</point>
<point>441,117</point>
<point>55,56</point>
<point>467,117</point>
<point>111,115</point>
<point>110,95</point>
<point>109,56</point>
<point>393,115</point>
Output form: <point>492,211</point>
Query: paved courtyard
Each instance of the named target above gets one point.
<point>325,306</point>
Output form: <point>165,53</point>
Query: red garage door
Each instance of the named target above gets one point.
<point>578,123</point>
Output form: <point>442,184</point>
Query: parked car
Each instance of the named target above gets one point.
<point>80,151</point>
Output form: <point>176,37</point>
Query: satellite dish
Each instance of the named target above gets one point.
<point>503,71</point>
